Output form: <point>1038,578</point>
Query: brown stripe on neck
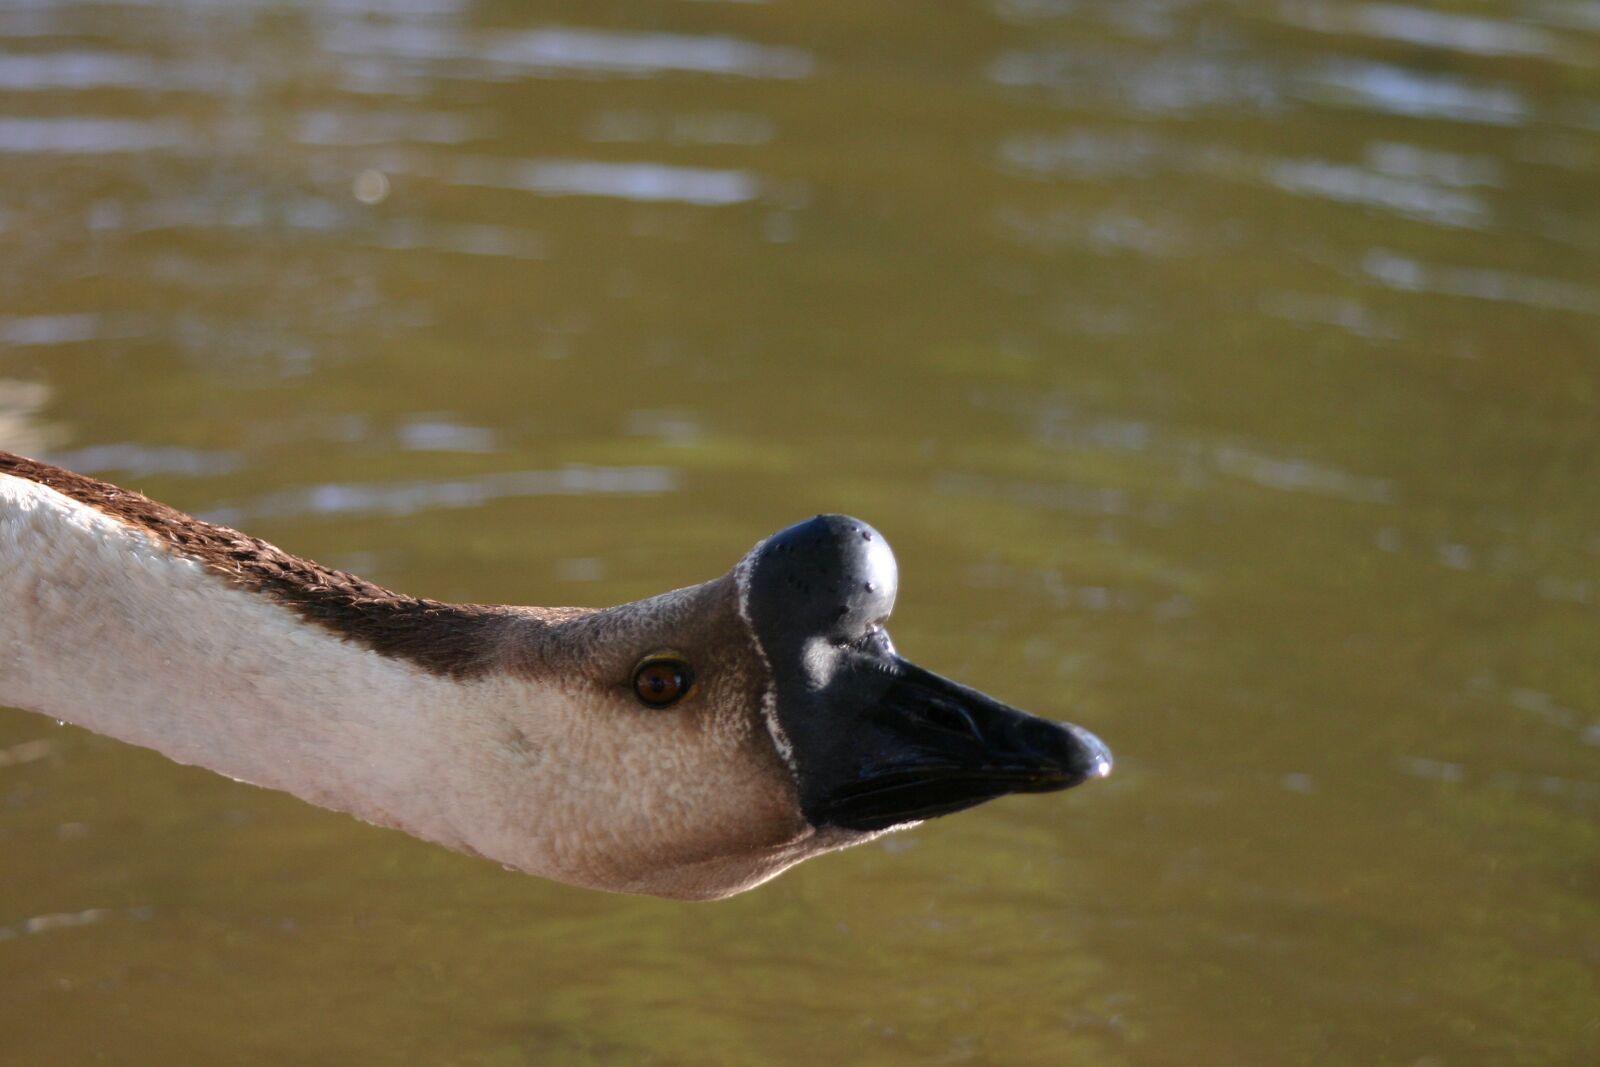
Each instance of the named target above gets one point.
<point>453,640</point>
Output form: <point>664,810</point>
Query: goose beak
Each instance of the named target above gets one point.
<point>940,747</point>
<point>873,740</point>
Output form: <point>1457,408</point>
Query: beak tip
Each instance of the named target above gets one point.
<point>1098,761</point>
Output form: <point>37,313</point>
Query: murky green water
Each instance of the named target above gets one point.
<point>1227,376</point>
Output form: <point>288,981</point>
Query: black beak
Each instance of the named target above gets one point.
<point>938,747</point>
<point>875,741</point>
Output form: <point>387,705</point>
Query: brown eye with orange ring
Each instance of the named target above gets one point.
<point>662,682</point>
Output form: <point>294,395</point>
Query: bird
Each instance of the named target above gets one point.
<point>691,745</point>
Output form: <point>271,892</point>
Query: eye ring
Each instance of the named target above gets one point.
<point>662,681</point>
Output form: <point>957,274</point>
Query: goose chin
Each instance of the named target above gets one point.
<point>914,795</point>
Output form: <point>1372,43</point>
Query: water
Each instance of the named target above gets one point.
<point>1225,375</point>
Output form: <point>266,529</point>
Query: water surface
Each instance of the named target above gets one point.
<point>1227,376</point>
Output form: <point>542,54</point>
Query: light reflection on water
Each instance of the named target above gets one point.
<point>82,70</point>
<point>645,182</point>
<point>87,136</point>
<point>559,51</point>
<point>1398,91</point>
<point>1224,374</point>
<point>1434,29</point>
<point>1087,155</point>
<point>1402,272</point>
<point>413,498</point>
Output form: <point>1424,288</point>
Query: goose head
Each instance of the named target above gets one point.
<point>711,737</point>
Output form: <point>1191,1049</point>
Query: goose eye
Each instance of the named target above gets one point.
<point>662,682</point>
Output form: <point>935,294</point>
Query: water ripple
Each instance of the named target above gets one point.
<point>443,435</point>
<point>40,924</point>
<point>563,50</point>
<point>49,71</point>
<point>397,499</point>
<point>1400,179</point>
<point>709,127</point>
<point>463,238</point>
<point>1442,168</point>
<point>1397,91</point>
<point>383,127</point>
<point>1398,271</point>
<point>1468,34</point>
<point>30,330</point>
<point>645,54</point>
<point>1357,185</point>
<point>1168,83</point>
<point>90,136</point>
<point>132,459</point>
<point>26,752</point>
<point>642,181</point>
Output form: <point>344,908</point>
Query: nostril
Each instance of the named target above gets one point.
<point>950,717</point>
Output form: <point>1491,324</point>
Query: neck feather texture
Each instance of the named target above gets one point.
<point>107,626</point>
<point>498,731</point>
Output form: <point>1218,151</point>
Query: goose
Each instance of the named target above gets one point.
<point>691,745</point>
